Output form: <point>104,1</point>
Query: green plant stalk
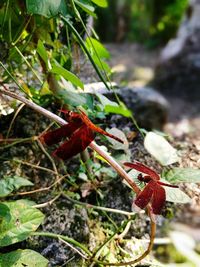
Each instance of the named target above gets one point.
<point>27,63</point>
<point>90,206</point>
<point>28,139</point>
<point>13,78</point>
<point>85,157</point>
<point>5,15</point>
<point>67,239</point>
<point>18,35</point>
<point>66,21</point>
<point>111,87</point>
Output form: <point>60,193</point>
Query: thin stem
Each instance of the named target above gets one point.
<point>5,15</point>
<point>65,238</point>
<point>34,166</point>
<point>72,247</point>
<point>49,157</point>
<point>13,78</point>
<point>90,206</point>
<point>27,63</point>
<point>49,202</point>
<point>71,27</point>
<point>40,189</point>
<point>13,119</point>
<point>28,139</point>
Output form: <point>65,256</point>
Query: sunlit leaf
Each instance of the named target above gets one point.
<point>105,101</point>
<point>101,3</point>
<point>160,149</point>
<point>58,69</point>
<point>75,98</point>
<point>9,184</point>
<point>176,195</point>
<point>118,110</point>
<point>42,52</point>
<point>86,6</point>
<point>18,220</point>
<point>47,8</point>
<point>115,144</point>
<point>96,48</point>
<point>187,175</point>
<point>22,258</point>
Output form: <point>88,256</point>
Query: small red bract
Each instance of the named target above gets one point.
<point>80,131</point>
<point>153,191</point>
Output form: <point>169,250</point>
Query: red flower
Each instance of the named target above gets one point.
<point>153,191</point>
<point>80,131</point>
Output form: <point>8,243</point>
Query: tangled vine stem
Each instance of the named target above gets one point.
<point>110,161</point>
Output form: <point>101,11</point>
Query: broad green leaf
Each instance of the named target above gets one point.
<point>76,99</point>
<point>58,69</point>
<point>22,258</point>
<point>102,64</point>
<point>187,175</point>
<point>101,3</point>
<point>160,149</point>
<point>96,48</point>
<point>47,8</point>
<point>86,6</point>
<point>105,101</point>
<point>118,110</point>
<point>18,220</point>
<point>9,184</point>
<point>42,52</point>
<point>115,144</point>
<point>176,195</point>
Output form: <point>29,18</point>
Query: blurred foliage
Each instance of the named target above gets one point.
<point>152,22</point>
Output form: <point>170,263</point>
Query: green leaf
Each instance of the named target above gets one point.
<point>9,184</point>
<point>22,258</point>
<point>18,220</point>
<point>105,101</point>
<point>101,3</point>
<point>76,99</point>
<point>115,144</point>
<point>176,195</point>
<point>160,149</point>
<point>47,8</point>
<point>96,48</point>
<point>42,52</point>
<point>187,175</point>
<point>88,8</point>
<point>118,110</point>
<point>58,69</point>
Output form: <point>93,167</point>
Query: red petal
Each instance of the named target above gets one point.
<point>77,143</point>
<point>143,168</point>
<point>56,136</point>
<point>158,199</point>
<point>144,197</point>
<point>95,128</point>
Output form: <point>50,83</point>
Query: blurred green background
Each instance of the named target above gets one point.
<point>151,22</point>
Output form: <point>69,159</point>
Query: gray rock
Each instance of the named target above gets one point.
<point>148,106</point>
<point>178,70</point>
